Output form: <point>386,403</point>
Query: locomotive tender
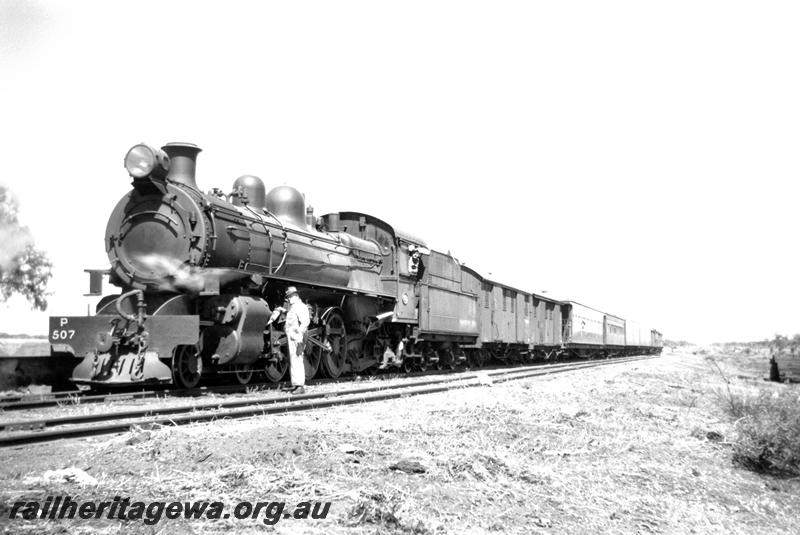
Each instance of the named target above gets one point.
<point>199,274</point>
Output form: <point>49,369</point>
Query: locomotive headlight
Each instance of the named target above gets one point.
<point>143,161</point>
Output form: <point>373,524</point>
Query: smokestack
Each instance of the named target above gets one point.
<point>182,162</point>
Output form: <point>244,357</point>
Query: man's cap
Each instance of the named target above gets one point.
<point>290,291</point>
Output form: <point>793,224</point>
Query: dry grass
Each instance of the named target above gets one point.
<point>766,419</point>
<point>645,448</point>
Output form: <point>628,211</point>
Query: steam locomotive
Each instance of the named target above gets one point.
<point>200,273</point>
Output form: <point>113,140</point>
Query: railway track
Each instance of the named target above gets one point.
<point>85,397</point>
<point>50,429</point>
<point>76,397</point>
<point>81,397</point>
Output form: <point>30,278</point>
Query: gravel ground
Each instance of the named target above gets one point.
<point>633,448</point>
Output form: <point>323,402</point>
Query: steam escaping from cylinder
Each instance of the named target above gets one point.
<point>178,277</point>
<point>174,275</point>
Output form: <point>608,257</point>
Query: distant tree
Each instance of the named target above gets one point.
<point>677,343</point>
<point>24,269</point>
<point>779,342</point>
<point>785,344</point>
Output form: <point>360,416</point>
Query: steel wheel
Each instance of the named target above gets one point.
<point>460,356</point>
<point>276,369</point>
<point>243,374</point>
<point>311,359</point>
<point>447,359</point>
<point>333,360</point>
<point>425,361</point>
<point>187,367</point>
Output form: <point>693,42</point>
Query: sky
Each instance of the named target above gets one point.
<point>638,157</point>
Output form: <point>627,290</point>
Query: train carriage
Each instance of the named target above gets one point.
<point>589,333</point>
<point>633,334</point>
<point>640,340</point>
<point>656,341</point>
<point>547,326</point>
<point>584,330</point>
<point>614,334</point>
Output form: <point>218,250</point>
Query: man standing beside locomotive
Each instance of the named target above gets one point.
<point>297,320</point>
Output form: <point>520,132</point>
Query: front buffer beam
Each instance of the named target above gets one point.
<point>117,351</point>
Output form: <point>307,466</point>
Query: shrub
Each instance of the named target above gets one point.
<point>767,433</point>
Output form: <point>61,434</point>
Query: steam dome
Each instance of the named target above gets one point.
<point>287,204</point>
<point>249,188</point>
